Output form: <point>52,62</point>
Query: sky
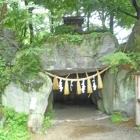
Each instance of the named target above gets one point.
<point>122,34</point>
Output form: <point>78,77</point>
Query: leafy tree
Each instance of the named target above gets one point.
<point>127,12</point>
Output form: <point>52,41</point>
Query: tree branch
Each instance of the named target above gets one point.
<point>137,8</point>
<point>12,42</point>
<point>119,9</point>
<point>126,13</point>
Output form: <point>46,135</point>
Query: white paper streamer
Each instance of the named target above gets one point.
<point>33,103</point>
<point>60,85</point>
<point>94,84</point>
<point>83,86</point>
<point>71,85</point>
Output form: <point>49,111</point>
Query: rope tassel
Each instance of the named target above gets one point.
<point>66,88</point>
<point>79,91</point>
<point>100,83</point>
<point>89,86</point>
<point>55,83</point>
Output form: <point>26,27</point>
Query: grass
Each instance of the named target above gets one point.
<point>117,117</point>
<point>15,127</point>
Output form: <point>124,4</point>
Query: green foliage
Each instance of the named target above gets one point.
<point>75,38</point>
<point>69,38</point>
<point>19,18</point>
<point>64,29</point>
<point>51,114</point>
<point>48,115</point>
<point>47,123</point>
<point>5,74</point>
<point>117,118</point>
<point>15,127</point>
<point>135,60</point>
<point>28,64</point>
<point>121,59</point>
<point>131,58</point>
<point>115,60</point>
<point>137,127</point>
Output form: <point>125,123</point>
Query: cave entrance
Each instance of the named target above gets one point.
<point>80,107</point>
<point>73,106</point>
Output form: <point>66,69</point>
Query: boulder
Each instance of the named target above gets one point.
<point>124,93</point>
<point>95,97</point>
<point>100,105</point>
<point>62,59</point>
<point>108,91</point>
<point>35,123</point>
<point>119,92</point>
<point>19,96</point>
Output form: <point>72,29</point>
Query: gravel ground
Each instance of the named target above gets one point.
<point>86,123</point>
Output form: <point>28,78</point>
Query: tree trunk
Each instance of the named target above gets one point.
<point>111,24</point>
<point>30,25</point>
<point>52,22</point>
<point>4,9</point>
<point>103,19</point>
<point>137,8</point>
<point>31,32</point>
<point>88,16</point>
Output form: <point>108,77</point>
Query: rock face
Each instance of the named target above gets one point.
<point>119,92</point>
<point>71,58</point>
<point>133,42</point>
<point>20,98</point>
<point>7,49</point>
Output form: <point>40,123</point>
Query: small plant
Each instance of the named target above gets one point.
<point>15,126</point>
<point>5,74</point>
<point>137,127</point>
<point>76,38</point>
<point>117,118</point>
<point>121,59</point>
<point>48,116</point>
<point>47,123</point>
<point>64,29</point>
<point>51,114</point>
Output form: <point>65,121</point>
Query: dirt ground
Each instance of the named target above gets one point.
<point>78,122</point>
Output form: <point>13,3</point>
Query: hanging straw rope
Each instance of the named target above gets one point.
<point>80,78</point>
<point>79,91</point>
<point>89,86</point>
<point>55,83</point>
<point>100,83</point>
<point>66,88</point>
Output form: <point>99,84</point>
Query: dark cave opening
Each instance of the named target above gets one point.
<point>60,100</point>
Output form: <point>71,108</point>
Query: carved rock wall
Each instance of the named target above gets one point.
<point>83,57</point>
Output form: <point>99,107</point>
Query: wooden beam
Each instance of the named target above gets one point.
<point>137,100</point>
